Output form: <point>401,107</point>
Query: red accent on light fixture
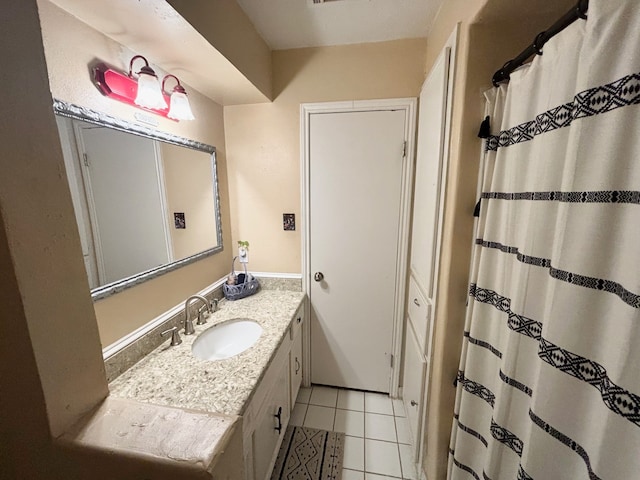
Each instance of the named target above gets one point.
<point>121,87</point>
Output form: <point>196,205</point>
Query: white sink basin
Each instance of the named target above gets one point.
<point>226,339</point>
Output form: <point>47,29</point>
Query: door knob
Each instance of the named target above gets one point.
<point>318,276</point>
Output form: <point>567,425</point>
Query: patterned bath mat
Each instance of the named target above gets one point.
<point>309,454</point>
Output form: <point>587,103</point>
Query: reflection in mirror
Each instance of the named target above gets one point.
<point>145,202</point>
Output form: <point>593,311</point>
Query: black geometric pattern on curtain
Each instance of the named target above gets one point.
<point>471,431</point>
<point>483,344</point>
<point>464,467</point>
<point>507,438</point>
<point>498,432</point>
<point>511,440</point>
<point>522,475</point>
<point>515,383</point>
<point>628,297</point>
<point>572,444</point>
<point>503,436</point>
<point>617,399</point>
<point>604,196</point>
<point>517,323</point>
<point>594,101</point>
<point>476,389</point>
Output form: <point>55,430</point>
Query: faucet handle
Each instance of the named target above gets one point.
<point>175,336</point>
<point>201,318</point>
<point>214,304</point>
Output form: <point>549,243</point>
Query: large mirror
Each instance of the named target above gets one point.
<point>145,202</point>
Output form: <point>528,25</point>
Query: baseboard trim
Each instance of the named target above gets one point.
<point>295,276</point>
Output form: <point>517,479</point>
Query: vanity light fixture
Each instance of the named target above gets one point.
<point>143,91</point>
<point>179,108</point>
<point>149,94</point>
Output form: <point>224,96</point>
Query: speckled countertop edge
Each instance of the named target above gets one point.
<point>173,376</point>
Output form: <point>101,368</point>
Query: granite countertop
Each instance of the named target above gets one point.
<point>173,376</point>
<point>144,434</point>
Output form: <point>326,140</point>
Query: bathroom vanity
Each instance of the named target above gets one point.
<point>259,385</point>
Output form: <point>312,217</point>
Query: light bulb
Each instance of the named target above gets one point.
<point>149,93</point>
<point>179,108</point>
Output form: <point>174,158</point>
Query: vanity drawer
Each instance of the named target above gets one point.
<point>296,324</point>
<point>419,309</point>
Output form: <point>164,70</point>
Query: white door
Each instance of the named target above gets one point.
<point>355,174</point>
<point>122,171</point>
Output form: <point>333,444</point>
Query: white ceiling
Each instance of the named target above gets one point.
<point>301,23</point>
<point>185,53</point>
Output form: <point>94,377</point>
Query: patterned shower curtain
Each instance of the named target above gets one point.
<point>549,380</point>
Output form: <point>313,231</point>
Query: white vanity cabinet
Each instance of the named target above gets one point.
<point>272,422</point>
<point>295,357</point>
<point>267,416</point>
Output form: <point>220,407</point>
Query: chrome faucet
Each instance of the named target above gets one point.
<point>188,323</point>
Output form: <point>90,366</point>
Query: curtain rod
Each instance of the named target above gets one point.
<point>576,13</point>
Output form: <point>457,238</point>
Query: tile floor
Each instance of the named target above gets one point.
<point>377,442</point>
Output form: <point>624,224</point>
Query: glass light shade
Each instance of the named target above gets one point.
<point>149,92</point>
<point>179,108</point>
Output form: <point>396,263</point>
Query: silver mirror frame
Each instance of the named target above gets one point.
<point>91,116</point>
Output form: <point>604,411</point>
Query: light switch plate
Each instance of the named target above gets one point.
<point>243,255</point>
<point>289,221</point>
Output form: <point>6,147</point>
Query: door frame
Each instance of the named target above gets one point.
<point>164,201</point>
<point>409,106</point>
<point>78,127</point>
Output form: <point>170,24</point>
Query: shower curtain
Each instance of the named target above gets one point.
<point>548,386</point>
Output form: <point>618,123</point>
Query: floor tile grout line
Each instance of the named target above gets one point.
<point>400,460</point>
<point>378,440</point>
<point>333,428</point>
<point>395,426</point>
<point>304,417</point>
<point>364,435</point>
<point>373,473</point>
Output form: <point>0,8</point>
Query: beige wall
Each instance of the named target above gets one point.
<point>70,47</point>
<point>189,188</point>
<point>225,26</point>
<point>263,141</point>
<point>46,386</point>
<point>456,236</point>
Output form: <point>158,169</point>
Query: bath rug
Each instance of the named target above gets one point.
<point>309,454</point>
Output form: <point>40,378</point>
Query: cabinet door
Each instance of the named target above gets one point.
<point>271,425</point>
<point>295,366</point>
<point>413,383</point>
<point>419,310</point>
<point>428,177</point>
